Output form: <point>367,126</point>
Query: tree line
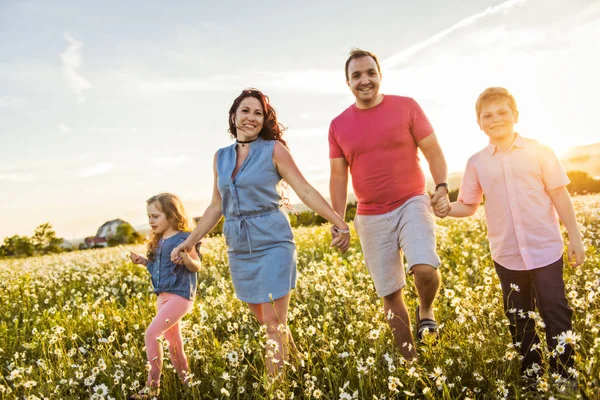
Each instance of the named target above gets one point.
<point>45,241</point>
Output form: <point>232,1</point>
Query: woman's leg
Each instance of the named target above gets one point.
<point>170,311</point>
<point>274,315</point>
<point>257,310</point>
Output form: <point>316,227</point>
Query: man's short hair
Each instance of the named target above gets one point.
<point>359,53</point>
<point>496,93</point>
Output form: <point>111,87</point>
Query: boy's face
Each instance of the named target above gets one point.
<point>497,120</point>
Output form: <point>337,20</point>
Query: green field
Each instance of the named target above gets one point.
<point>72,325</point>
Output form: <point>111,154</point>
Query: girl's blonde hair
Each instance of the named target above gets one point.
<point>173,209</point>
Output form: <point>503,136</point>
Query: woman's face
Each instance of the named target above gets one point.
<point>249,118</point>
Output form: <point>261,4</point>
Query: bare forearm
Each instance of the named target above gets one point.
<point>211,217</point>
<point>564,208</point>
<point>458,209</point>
<point>438,168</point>
<point>338,190</point>
<point>191,264</point>
<point>313,199</point>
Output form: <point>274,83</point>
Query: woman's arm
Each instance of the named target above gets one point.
<point>210,218</point>
<point>288,170</point>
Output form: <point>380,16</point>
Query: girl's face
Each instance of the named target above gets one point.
<point>158,220</point>
<point>249,118</point>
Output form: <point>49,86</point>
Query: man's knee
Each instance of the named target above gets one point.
<point>396,297</point>
<point>426,273</point>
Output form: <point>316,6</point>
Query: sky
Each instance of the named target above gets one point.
<point>104,104</point>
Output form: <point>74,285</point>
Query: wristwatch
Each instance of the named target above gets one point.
<point>442,184</point>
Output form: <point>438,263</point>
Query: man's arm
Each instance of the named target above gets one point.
<point>564,208</point>
<point>437,166</point>
<point>338,185</point>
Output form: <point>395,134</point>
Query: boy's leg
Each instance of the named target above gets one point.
<point>519,298</point>
<point>555,311</point>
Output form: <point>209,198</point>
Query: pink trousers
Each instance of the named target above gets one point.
<point>171,308</point>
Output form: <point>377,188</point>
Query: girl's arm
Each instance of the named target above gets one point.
<point>210,218</point>
<point>288,170</point>
<point>458,209</point>
<point>137,259</point>
<point>564,208</point>
<point>191,260</point>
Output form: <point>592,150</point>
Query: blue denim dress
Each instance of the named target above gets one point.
<point>260,244</point>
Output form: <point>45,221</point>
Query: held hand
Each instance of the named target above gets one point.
<point>334,233</point>
<point>342,241</point>
<point>440,203</point>
<point>175,254</point>
<point>442,207</point>
<point>576,253</point>
<point>184,256</point>
<point>341,237</point>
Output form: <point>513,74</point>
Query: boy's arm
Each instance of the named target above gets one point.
<point>458,209</point>
<point>564,208</point>
<point>191,261</point>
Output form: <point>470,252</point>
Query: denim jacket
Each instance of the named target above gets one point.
<point>168,276</point>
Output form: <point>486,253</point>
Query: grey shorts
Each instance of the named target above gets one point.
<point>409,229</point>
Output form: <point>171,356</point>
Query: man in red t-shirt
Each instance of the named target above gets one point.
<point>377,139</point>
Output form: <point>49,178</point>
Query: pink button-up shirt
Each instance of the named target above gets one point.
<point>523,228</point>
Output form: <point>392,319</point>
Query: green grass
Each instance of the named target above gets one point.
<point>72,325</point>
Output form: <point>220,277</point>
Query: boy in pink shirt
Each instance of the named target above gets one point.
<point>524,188</point>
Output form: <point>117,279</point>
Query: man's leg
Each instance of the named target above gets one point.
<point>416,237</point>
<point>427,282</point>
<point>399,321</point>
<point>382,258</point>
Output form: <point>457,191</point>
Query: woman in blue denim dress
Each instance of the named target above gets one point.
<point>247,191</point>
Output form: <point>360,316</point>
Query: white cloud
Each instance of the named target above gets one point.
<point>17,177</point>
<point>114,130</point>
<point>170,162</point>
<point>72,61</point>
<point>97,169</point>
<point>406,54</point>
<point>12,102</point>
<point>64,128</point>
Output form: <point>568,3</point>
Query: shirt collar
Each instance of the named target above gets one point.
<point>518,142</point>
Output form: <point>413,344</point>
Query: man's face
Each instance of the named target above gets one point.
<point>497,120</point>
<point>364,80</point>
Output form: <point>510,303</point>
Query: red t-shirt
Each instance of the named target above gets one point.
<point>380,146</point>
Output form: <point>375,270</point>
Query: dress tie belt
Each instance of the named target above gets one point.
<point>243,231</point>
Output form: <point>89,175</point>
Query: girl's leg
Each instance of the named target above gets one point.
<point>171,308</point>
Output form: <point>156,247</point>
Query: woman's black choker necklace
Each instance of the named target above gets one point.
<point>245,142</point>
